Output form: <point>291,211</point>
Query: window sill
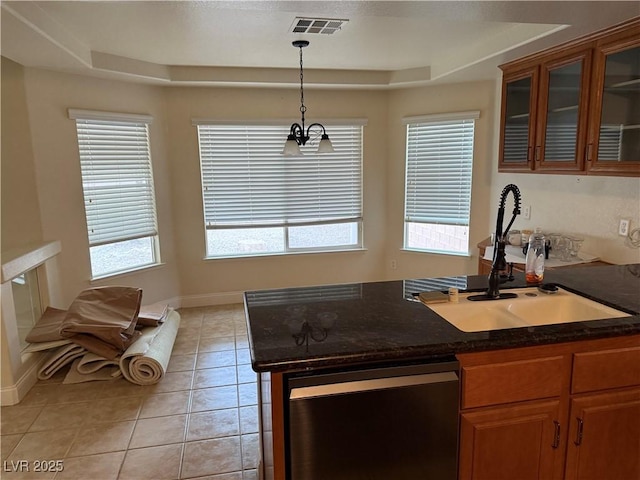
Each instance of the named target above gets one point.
<point>124,273</point>
<point>436,252</point>
<point>285,254</point>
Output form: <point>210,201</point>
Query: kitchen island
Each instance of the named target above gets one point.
<point>354,326</point>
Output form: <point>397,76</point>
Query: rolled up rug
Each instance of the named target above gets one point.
<point>145,361</point>
<point>58,358</point>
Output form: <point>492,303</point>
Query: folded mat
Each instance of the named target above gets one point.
<point>58,358</point>
<point>152,315</point>
<point>91,367</point>
<point>102,348</point>
<point>47,329</point>
<point>40,346</point>
<point>145,362</point>
<point>106,313</point>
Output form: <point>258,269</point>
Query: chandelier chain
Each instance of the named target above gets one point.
<point>303,108</point>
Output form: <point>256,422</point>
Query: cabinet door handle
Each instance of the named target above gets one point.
<point>578,440</point>
<point>529,148</point>
<point>537,156</point>
<point>556,434</point>
<point>587,152</point>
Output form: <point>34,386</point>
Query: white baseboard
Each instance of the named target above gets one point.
<point>210,299</point>
<point>12,394</point>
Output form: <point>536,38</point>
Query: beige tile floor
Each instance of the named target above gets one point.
<point>200,421</point>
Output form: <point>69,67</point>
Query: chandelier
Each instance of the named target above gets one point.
<point>297,135</point>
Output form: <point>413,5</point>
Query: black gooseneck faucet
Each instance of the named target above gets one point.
<point>499,261</point>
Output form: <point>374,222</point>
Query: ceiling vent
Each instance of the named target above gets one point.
<point>325,26</point>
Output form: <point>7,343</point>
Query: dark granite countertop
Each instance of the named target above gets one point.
<point>374,323</point>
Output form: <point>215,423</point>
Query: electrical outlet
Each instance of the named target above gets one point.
<point>526,211</point>
<point>623,227</point>
<point>394,264</point>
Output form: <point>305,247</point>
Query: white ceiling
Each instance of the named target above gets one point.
<point>384,44</point>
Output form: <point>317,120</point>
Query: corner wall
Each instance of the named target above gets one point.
<point>200,277</point>
<point>58,177</point>
<point>430,100</point>
<point>21,222</point>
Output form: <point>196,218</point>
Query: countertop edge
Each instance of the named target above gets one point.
<point>513,338</point>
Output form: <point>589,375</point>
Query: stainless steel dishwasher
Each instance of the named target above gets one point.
<point>385,423</point>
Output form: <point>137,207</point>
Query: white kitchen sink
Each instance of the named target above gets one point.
<point>530,308</point>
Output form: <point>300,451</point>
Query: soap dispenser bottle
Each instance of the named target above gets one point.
<point>535,258</point>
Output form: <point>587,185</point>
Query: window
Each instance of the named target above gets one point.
<point>119,198</point>
<point>438,182</point>
<point>258,202</point>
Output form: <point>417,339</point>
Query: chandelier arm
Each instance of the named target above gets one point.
<point>296,130</point>
<point>324,132</point>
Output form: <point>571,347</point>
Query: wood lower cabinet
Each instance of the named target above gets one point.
<point>514,442</point>
<point>567,411</point>
<point>604,437</point>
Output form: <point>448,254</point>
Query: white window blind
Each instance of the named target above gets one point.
<point>610,143</point>
<point>560,142</point>
<point>439,167</point>
<point>116,178</point>
<point>516,142</point>
<point>247,181</point>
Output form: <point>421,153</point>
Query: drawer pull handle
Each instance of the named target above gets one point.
<point>556,434</point>
<point>579,431</point>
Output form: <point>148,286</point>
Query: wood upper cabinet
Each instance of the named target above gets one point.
<point>519,108</point>
<point>614,135</point>
<point>575,108</point>
<point>562,112</point>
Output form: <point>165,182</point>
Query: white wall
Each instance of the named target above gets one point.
<point>58,178</point>
<point>590,206</point>
<point>21,222</point>
<point>430,100</point>
<point>200,277</point>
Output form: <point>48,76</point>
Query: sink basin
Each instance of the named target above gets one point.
<point>530,308</point>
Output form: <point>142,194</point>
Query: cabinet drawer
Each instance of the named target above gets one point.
<point>512,381</point>
<point>605,369</point>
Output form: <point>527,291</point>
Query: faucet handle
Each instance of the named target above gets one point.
<point>509,276</point>
<point>510,271</point>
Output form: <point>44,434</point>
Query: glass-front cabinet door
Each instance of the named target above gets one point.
<point>614,137</point>
<point>563,107</point>
<point>518,119</point>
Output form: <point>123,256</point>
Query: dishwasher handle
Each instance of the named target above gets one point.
<point>360,386</point>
